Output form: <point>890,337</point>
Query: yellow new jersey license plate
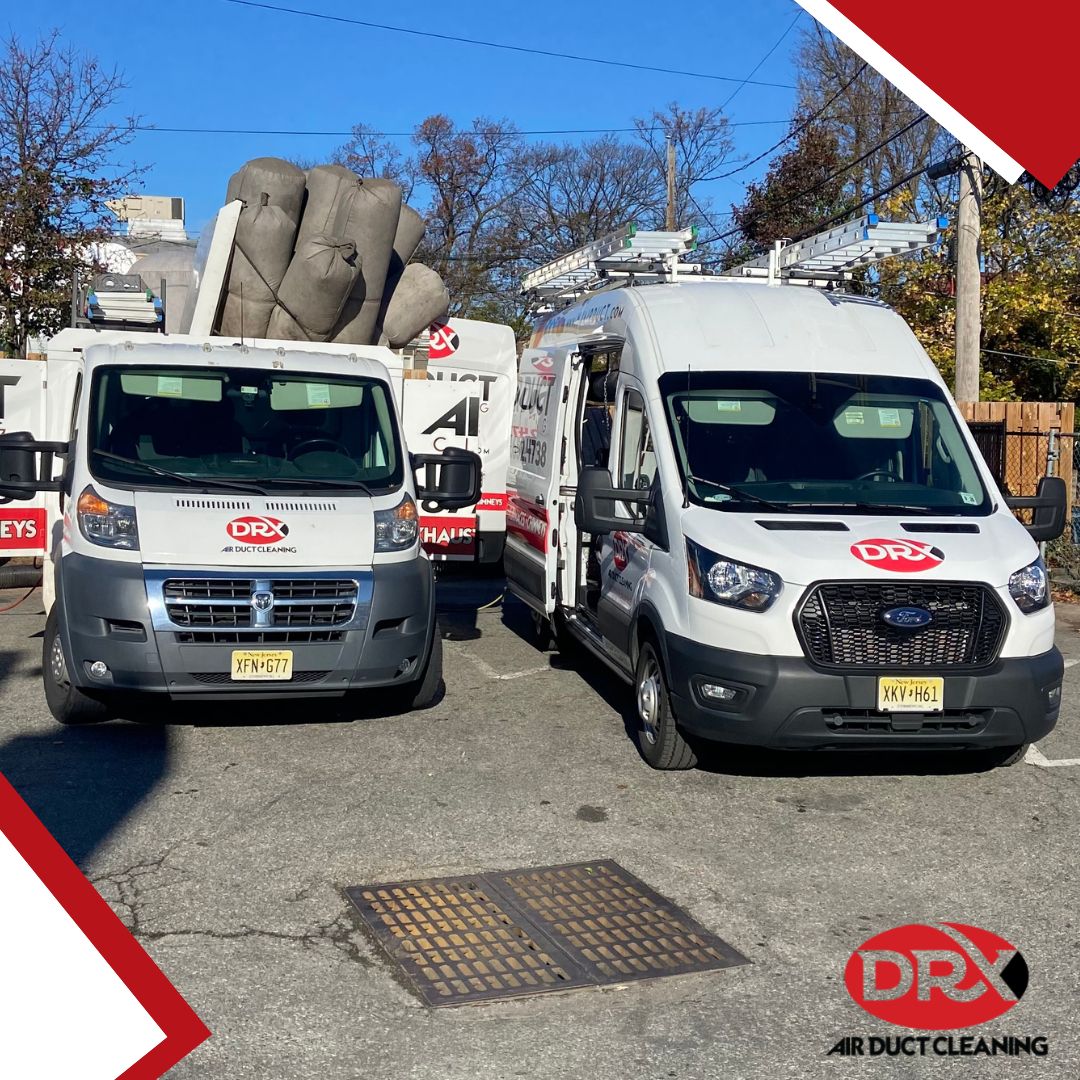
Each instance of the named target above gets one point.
<point>262,664</point>
<point>910,694</point>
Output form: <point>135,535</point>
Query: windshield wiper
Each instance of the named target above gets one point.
<point>738,493</point>
<point>317,481</point>
<point>903,508</point>
<point>197,481</point>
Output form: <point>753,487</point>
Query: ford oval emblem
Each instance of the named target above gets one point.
<point>908,618</point>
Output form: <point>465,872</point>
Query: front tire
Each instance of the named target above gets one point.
<point>429,689</point>
<point>68,704</point>
<point>1007,756</point>
<point>659,739</point>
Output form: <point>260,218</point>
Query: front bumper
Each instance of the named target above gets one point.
<point>109,614</point>
<point>785,702</point>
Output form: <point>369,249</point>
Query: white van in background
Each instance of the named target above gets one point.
<point>760,506</point>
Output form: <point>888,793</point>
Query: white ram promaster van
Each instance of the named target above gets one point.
<point>226,521</point>
<point>761,507</point>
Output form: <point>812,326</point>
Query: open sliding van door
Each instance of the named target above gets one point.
<point>546,396</point>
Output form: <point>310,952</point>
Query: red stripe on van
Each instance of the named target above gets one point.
<point>528,523</point>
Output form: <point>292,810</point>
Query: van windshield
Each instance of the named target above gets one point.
<point>807,441</point>
<point>164,427</point>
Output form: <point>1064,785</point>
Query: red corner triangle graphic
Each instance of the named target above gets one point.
<point>182,1028</point>
<point>1000,78</point>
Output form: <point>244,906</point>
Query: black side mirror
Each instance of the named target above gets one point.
<point>1048,508</point>
<point>22,470</point>
<point>594,504</point>
<point>18,463</point>
<point>451,479</point>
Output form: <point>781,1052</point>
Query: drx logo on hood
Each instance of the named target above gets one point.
<point>936,977</point>
<point>901,556</point>
<point>257,530</point>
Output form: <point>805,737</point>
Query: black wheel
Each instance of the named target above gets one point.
<point>68,704</point>
<point>428,690</point>
<point>1005,756</point>
<point>565,642</point>
<point>542,634</point>
<point>659,739</point>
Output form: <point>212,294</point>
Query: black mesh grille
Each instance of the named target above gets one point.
<point>222,678</point>
<point>257,637</point>
<point>840,625</point>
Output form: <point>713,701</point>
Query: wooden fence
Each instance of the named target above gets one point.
<point>1027,426</point>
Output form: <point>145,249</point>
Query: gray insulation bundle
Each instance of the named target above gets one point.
<point>371,225</point>
<point>272,192</point>
<point>325,257</point>
<point>419,299</point>
<point>320,276</point>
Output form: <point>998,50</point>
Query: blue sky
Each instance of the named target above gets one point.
<point>213,64</point>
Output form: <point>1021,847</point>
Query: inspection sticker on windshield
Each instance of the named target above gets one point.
<point>170,386</point>
<point>900,556</point>
<point>318,395</point>
<point>970,499</point>
<point>854,416</point>
<point>729,406</point>
<point>889,417</point>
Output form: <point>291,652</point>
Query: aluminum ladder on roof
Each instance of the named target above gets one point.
<point>627,255</point>
<point>828,256</point>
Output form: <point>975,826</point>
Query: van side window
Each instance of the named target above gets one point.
<point>637,462</point>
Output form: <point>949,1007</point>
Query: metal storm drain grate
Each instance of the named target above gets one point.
<point>518,932</point>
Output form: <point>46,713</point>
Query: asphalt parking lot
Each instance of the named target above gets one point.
<point>224,839</point>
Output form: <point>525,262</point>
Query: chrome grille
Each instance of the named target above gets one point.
<point>211,605</point>
<point>840,624</point>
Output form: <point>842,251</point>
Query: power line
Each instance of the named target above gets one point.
<point>502,45</point>
<point>757,67</point>
<point>795,133</point>
<point>409,134</point>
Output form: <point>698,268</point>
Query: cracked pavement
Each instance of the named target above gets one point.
<point>224,838</point>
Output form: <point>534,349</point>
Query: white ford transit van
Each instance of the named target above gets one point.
<point>761,507</point>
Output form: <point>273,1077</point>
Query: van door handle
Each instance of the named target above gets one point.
<point>540,500</point>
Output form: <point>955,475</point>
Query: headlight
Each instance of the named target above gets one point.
<point>712,577</point>
<point>107,524</point>
<point>1030,588</point>
<point>395,529</point>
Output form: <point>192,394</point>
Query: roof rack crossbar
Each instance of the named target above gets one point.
<point>644,255</point>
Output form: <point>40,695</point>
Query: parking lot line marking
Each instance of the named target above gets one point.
<point>1069,663</point>
<point>491,673</point>
<point>1035,756</point>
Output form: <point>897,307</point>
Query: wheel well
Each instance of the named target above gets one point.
<point>645,630</point>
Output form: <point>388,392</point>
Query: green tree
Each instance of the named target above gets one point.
<point>801,188</point>
<point>1030,293</point>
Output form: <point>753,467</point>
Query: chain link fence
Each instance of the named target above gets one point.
<point>1018,460</point>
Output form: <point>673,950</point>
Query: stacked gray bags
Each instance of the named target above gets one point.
<point>324,256</point>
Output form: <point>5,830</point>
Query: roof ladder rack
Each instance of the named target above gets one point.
<point>829,256</point>
<point>627,256</point>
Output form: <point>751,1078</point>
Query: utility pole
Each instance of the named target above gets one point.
<point>669,221</point>
<point>968,280</point>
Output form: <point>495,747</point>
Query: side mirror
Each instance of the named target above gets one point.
<point>18,466</point>
<point>451,479</point>
<point>1048,508</point>
<point>594,504</point>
